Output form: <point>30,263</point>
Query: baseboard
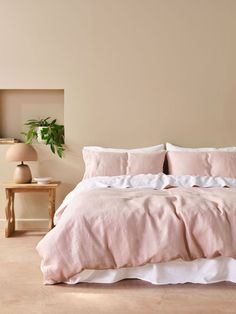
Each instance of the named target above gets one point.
<point>27,224</point>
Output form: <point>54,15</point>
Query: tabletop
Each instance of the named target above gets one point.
<point>33,185</point>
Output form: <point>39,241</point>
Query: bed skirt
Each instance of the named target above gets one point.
<point>203,271</point>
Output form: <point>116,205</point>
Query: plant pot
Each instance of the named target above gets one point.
<point>39,135</point>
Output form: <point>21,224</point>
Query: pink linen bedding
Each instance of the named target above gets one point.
<point>105,163</point>
<point>106,228</point>
<point>215,163</point>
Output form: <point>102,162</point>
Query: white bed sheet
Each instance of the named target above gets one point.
<point>203,271</point>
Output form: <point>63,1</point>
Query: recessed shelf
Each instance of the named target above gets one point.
<point>19,105</point>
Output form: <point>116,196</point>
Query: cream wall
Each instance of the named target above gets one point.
<point>134,72</point>
<point>17,106</point>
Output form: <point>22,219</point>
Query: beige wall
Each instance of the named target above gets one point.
<point>134,72</point>
<point>17,106</point>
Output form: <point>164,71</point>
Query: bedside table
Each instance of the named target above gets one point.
<point>12,188</point>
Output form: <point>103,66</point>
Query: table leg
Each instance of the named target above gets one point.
<point>13,209</point>
<point>51,207</point>
<point>10,214</point>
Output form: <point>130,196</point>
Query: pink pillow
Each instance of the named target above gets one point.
<point>144,163</point>
<point>202,163</point>
<point>188,163</point>
<point>223,164</point>
<point>104,164</point>
<point>116,164</point>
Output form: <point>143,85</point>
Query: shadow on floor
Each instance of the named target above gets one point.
<point>31,233</point>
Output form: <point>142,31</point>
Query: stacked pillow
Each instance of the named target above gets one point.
<point>174,148</point>
<point>101,161</point>
<point>201,161</point>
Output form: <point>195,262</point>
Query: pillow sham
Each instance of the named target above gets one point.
<point>223,164</point>
<point>104,163</point>
<point>149,149</point>
<point>216,163</point>
<point>100,163</point>
<point>144,163</point>
<point>174,148</point>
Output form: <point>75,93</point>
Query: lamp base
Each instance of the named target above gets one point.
<point>22,174</point>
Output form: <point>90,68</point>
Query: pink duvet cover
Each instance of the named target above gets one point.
<point>106,228</point>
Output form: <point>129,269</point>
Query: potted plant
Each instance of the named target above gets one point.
<point>48,132</point>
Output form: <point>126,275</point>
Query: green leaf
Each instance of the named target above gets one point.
<point>52,148</point>
<point>52,134</point>
<point>60,151</point>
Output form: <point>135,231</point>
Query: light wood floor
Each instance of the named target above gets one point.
<point>22,291</point>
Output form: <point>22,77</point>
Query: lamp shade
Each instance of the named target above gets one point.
<point>21,152</point>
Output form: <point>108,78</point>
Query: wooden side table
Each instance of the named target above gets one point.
<point>12,188</point>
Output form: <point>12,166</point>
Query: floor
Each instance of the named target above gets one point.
<point>22,291</point>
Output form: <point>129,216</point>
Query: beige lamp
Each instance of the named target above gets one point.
<point>21,152</point>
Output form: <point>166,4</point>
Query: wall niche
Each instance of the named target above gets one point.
<point>19,105</point>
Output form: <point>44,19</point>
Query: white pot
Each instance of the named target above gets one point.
<point>39,136</point>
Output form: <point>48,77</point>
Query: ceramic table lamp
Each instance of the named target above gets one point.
<point>21,152</point>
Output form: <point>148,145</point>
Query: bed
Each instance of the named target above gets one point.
<point>127,219</point>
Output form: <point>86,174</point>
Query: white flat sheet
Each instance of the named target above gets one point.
<point>203,271</point>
